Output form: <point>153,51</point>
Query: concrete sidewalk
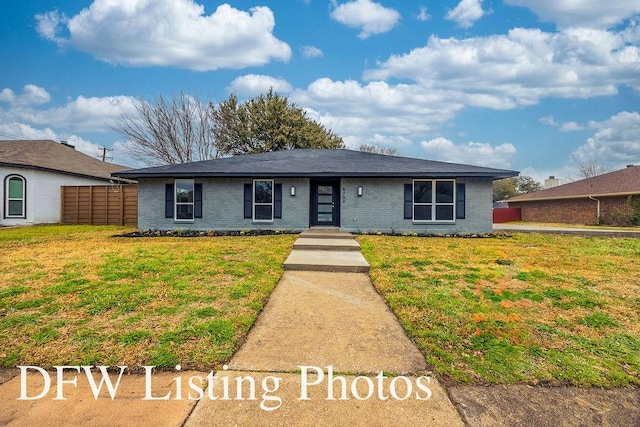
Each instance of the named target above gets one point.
<point>329,331</point>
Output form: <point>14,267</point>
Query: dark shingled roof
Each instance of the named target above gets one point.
<point>317,163</point>
<point>51,156</point>
<point>623,182</point>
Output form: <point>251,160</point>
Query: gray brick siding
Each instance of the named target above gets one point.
<point>380,208</point>
<point>223,206</point>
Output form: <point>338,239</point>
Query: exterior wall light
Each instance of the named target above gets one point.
<point>293,190</point>
<point>360,191</point>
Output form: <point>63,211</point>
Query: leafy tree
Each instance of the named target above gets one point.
<point>514,186</point>
<point>175,130</point>
<point>269,122</point>
<point>368,148</point>
<point>526,184</point>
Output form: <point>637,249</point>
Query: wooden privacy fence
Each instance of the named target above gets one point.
<point>501,215</point>
<point>100,204</point>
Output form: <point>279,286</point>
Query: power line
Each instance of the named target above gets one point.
<point>104,153</point>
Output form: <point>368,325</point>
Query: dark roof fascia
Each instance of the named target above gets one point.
<point>134,176</point>
<point>40,168</point>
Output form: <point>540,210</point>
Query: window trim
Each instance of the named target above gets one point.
<point>176,203</point>
<point>256,204</point>
<point>7,199</point>
<point>433,202</point>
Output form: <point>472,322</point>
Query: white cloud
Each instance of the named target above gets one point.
<point>581,13</point>
<point>15,130</point>
<point>423,15</point>
<point>311,52</point>
<point>466,13</point>
<point>169,33</point>
<point>616,142</point>
<point>350,108</point>
<point>49,25</point>
<point>477,153</point>
<point>376,112</point>
<point>521,67</point>
<point>31,95</point>
<point>370,17</point>
<point>256,84</point>
<point>548,120</point>
<point>563,127</point>
<point>570,127</point>
<point>85,114</point>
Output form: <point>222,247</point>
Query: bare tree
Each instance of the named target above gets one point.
<point>376,149</point>
<point>591,169</point>
<point>177,130</point>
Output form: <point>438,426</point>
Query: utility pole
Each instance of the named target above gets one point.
<point>104,153</point>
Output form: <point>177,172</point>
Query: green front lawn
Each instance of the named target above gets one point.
<point>74,295</point>
<point>527,309</point>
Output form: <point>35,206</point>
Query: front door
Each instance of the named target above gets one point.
<point>325,203</point>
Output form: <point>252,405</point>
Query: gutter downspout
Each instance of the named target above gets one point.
<point>597,209</point>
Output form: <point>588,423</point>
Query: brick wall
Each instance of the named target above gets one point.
<point>381,207</point>
<point>572,211</point>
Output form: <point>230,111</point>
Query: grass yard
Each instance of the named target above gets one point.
<point>74,295</point>
<point>532,308</point>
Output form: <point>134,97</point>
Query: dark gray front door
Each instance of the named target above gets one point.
<point>325,209</point>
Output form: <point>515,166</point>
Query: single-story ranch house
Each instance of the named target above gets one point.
<point>32,173</point>
<point>302,188</point>
<point>600,199</point>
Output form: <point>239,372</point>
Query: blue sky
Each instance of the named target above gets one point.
<point>539,86</point>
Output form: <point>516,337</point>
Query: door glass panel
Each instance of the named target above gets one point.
<point>325,189</point>
<point>325,208</point>
<point>325,199</point>
<point>325,217</point>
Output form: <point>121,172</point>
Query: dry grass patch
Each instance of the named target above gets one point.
<point>532,308</point>
<point>77,295</point>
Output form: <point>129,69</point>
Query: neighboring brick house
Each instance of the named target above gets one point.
<point>603,199</point>
<point>32,173</point>
<point>298,189</point>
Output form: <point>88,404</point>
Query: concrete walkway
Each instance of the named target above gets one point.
<point>329,328</point>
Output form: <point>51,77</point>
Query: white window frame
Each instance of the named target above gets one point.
<point>176,203</point>
<point>8,199</point>
<point>433,203</point>
<point>255,204</point>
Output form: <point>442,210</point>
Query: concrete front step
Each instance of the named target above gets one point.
<point>325,234</point>
<point>331,261</point>
<point>315,244</point>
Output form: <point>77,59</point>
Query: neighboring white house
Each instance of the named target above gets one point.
<point>32,173</point>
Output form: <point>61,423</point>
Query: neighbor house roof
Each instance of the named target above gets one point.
<point>623,182</point>
<point>317,163</point>
<point>51,156</point>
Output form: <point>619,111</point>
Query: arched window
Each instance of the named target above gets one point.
<point>15,201</point>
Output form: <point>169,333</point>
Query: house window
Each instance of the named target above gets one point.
<point>263,200</point>
<point>184,199</point>
<point>15,200</point>
<point>433,200</point>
